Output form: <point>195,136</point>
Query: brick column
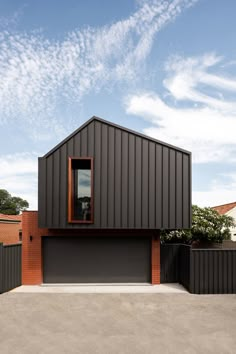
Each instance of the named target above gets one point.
<point>156,258</point>
<point>31,249</point>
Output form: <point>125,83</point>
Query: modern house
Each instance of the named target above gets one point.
<point>10,229</point>
<point>230,210</point>
<point>105,192</point>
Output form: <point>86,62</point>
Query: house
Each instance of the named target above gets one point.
<point>10,229</point>
<point>230,210</point>
<point>105,192</point>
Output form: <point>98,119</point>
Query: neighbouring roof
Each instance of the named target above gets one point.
<point>10,218</point>
<point>94,118</point>
<point>224,208</point>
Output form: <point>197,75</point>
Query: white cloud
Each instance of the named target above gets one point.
<point>220,192</point>
<point>186,75</point>
<point>19,176</point>
<point>195,118</point>
<point>38,76</point>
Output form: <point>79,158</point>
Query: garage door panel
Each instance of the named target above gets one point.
<point>96,259</point>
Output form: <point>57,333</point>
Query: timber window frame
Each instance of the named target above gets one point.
<point>73,166</point>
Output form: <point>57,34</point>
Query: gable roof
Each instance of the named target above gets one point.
<point>94,118</point>
<point>11,218</point>
<point>224,208</point>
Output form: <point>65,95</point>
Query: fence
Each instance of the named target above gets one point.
<point>170,263</point>
<point>213,271</point>
<point>201,271</point>
<point>10,267</point>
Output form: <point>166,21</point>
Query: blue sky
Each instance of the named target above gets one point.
<point>164,68</point>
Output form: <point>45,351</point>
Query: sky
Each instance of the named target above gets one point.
<point>165,68</point>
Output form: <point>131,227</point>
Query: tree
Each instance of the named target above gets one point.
<point>207,225</point>
<point>11,205</point>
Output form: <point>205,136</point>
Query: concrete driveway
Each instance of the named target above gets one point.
<point>117,323</point>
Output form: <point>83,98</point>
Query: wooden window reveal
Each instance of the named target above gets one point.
<point>80,190</point>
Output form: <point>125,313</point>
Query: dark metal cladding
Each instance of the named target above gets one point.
<point>139,182</point>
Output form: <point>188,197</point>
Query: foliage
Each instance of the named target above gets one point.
<point>207,225</point>
<point>11,205</point>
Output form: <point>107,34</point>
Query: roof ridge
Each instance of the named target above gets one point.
<point>101,120</point>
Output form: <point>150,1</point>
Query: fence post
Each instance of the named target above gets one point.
<point>1,268</point>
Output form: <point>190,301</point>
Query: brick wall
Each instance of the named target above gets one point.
<point>32,249</point>
<point>155,259</point>
<point>9,232</point>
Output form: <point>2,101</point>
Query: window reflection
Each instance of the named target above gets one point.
<point>83,194</point>
<point>82,189</point>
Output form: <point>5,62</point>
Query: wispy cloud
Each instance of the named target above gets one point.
<point>12,20</point>
<point>38,76</point>
<point>18,175</point>
<point>221,191</point>
<point>196,112</point>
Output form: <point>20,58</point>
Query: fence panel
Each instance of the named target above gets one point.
<point>213,271</point>
<point>201,271</point>
<point>170,263</point>
<point>10,267</point>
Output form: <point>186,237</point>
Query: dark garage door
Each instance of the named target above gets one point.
<point>96,259</point>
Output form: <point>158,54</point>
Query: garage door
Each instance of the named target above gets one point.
<point>96,259</point>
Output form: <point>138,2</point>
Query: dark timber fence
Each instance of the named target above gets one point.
<point>10,267</point>
<point>201,271</point>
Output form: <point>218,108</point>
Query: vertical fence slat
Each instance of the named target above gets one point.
<point>201,271</point>
<point>10,267</point>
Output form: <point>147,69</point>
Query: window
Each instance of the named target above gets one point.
<point>80,193</point>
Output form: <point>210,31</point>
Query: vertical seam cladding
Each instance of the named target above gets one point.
<point>87,129</point>
<point>107,172</point>
<point>121,174</point>
<point>52,190</point>
<point>148,172</point>
<point>67,182</point>
<point>100,181</point>
<point>148,181</point>
<point>59,183</point>
<point>190,189</point>
<point>128,187</point>
<point>94,162</point>
<point>182,190</point>
<point>155,188</point>
<point>114,186</point>
<point>135,182</point>
<point>176,176</point>
<point>168,199</point>
<point>162,171</point>
<point>141,175</point>
<point>45,190</point>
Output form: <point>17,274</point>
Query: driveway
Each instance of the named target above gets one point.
<point>117,323</point>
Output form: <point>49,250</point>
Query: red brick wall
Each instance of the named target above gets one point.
<point>32,250</point>
<point>156,259</point>
<point>9,233</point>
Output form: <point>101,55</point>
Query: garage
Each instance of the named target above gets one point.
<point>110,259</point>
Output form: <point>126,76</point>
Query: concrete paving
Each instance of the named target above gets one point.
<point>102,288</point>
<point>55,323</point>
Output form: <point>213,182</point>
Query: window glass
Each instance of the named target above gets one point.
<point>81,185</point>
